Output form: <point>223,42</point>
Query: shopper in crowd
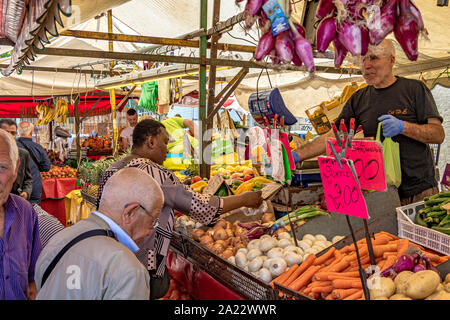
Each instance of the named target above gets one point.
<point>39,159</point>
<point>150,139</point>
<point>20,244</point>
<point>103,267</point>
<point>48,225</point>
<point>23,186</point>
<point>127,134</point>
<point>408,114</point>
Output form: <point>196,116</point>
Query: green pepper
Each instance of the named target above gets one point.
<point>419,220</point>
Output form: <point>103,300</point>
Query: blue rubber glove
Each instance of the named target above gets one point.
<point>391,125</point>
<point>295,157</point>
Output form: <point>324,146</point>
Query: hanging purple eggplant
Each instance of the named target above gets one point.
<point>340,52</point>
<point>324,8</point>
<point>284,47</point>
<point>382,23</point>
<point>326,32</point>
<point>265,45</point>
<point>406,31</point>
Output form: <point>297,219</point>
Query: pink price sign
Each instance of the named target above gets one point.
<point>341,189</point>
<point>367,158</point>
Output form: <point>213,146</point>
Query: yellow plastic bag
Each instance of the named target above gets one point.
<point>391,157</point>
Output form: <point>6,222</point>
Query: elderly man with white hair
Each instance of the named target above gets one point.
<point>101,265</point>
<point>408,114</point>
<point>20,244</point>
<point>39,159</point>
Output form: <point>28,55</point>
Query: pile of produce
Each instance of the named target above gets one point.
<point>176,292</point>
<point>299,215</point>
<point>351,25</point>
<point>436,214</point>
<point>270,256</point>
<point>97,144</point>
<point>354,24</point>
<point>412,277</point>
<point>334,275</point>
<point>54,157</point>
<point>59,172</point>
<point>253,184</point>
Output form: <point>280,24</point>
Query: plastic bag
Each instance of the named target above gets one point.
<point>391,156</point>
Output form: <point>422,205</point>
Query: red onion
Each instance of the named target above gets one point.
<point>273,57</point>
<point>263,21</point>
<point>296,60</point>
<point>326,32</point>
<point>253,6</point>
<point>406,31</point>
<point>404,262</point>
<point>284,47</point>
<point>300,30</point>
<point>249,225</point>
<point>265,45</point>
<point>418,267</point>
<point>324,8</point>
<point>339,52</point>
<point>380,25</point>
<point>416,13</point>
<point>304,50</point>
<point>353,37</point>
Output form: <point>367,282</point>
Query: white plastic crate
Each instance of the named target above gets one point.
<point>426,237</point>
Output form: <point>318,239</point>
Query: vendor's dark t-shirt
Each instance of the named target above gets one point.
<point>408,100</point>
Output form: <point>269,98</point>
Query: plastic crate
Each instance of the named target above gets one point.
<point>426,237</point>
<point>241,282</point>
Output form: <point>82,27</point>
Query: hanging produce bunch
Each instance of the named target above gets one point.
<point>354,24</point>
<point>46,113</point>
<point>283,41</point>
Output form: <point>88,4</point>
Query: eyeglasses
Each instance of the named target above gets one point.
<point>155,222</point>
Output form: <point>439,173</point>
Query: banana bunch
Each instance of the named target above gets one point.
<point>44,114</point>
<point>345,95</point>
<point>62,108</point>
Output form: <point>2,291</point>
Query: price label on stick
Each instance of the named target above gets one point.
<point>367,157</point>
<point>341,188</point>
<point>214,184</point>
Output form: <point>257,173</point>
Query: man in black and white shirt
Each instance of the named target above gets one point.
<point>48,225</point>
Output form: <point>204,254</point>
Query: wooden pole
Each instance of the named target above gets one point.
<point>202,88</point>
<point>112,92</point>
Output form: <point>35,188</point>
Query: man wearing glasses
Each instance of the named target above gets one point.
<point>408,114</point>
<point>104,267</point>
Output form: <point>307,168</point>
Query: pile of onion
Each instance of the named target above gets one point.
<point>351,25</point>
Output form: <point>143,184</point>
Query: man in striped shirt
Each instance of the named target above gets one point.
<point>20,244</point>
<point>48,224</point>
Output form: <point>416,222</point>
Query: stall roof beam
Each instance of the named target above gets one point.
<point>57,70</point>
<point>421,66</point>
<point>180,59</point>
<point>152,40</point>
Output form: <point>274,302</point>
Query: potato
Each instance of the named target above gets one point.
<point>399,296</point>
<point>447,287</point>
<point>381,298</point>
<point>421,284</point>
<point>439,295</point>
<point>440,287</point>
<point>447,278</point>
<point>383,287</point>
<point>400,281</point>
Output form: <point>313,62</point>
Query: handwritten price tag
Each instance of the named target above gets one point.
<point>341,189</point>
<point>367,158</point>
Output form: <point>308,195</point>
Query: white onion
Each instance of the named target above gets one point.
<point>304,245</point>
<point>337,238</point>
<point>254,244</point>
<point>277,266</point>
<point>241,259</point>
<point>284,235</point>
<point>265,236</point>
<point>243,250</point>
<point>252,254</point>
<point>267,244</point>
<point>292,258</point>
<point>264,275</point>
<point>283,243</point>
<point>255,264</point>
<point>266,263</point>
<point>309,242</point>
<point>309,236</point>
<point>232,260</point>
<point>294,249</point>
<point>275,252</point>
<point>320,237</point>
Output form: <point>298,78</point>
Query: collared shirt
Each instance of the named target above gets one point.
<point>48,225</point>
<point>19,248</point>
<point>120,234</point>
<point>43,164</point>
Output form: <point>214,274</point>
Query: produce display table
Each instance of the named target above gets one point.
<point>198,283</point>
<point>54,191</point>
<point>98,156</point>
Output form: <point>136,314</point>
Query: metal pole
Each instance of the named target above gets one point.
<point>112,92</point>
<point>202,87</point>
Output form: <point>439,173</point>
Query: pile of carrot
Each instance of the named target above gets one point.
<point>334,275</point>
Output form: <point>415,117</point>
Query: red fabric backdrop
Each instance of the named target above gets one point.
<point>16,107</point>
